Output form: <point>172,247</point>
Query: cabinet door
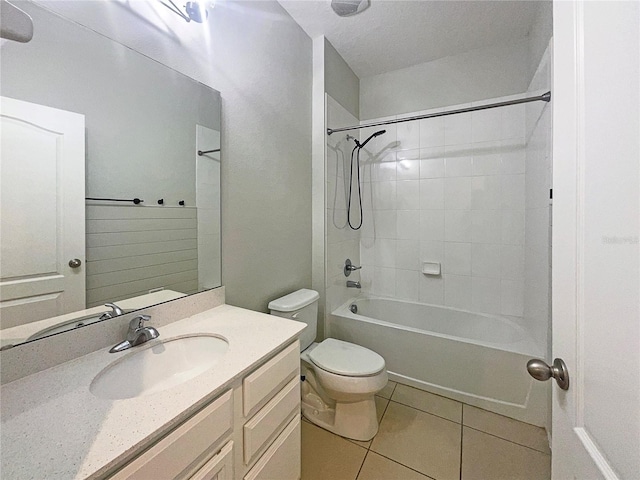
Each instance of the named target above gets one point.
<point>260,386</point>
<point>274,416</point>
<point>220,467</point>
<point>282,459</point>
<point>180,451</point>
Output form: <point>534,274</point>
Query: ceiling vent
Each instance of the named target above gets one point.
<point>346,8</point>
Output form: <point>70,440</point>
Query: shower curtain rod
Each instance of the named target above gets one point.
<point>545,97</point>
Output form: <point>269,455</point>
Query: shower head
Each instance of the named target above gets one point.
<point>376,134</point>
<point>346,8</point>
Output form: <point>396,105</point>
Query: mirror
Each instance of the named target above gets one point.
<point>89,126</point>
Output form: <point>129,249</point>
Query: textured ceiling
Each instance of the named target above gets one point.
<point>394,34</point>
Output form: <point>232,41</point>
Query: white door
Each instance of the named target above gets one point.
<point>596,227</point>
<point>42,212</point>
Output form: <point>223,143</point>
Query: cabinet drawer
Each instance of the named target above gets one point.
<point>262,384</point>
<point>220,467</point>
<point>270,419</point>
<point>173,454</point>
<point>282,459</point>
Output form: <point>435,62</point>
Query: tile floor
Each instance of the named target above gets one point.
<point>425,436</point>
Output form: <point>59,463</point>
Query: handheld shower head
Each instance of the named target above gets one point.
<point>376,134</point>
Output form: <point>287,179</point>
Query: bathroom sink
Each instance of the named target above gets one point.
<point>157,367</point>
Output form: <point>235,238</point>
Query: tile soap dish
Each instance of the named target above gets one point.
<point>431,268</point>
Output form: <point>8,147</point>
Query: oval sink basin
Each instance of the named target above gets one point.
<point>155,368</point>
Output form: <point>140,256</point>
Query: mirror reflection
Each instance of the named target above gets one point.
<point>110,188</point>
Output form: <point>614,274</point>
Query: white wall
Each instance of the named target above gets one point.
<point>208,205</point>
<point>341,241</point>
<point>318,187</point>
<point>260,61</point>
<point>471,76</point>
<point>336,102</point>
<point>448,190</point>
<point>537,310</point>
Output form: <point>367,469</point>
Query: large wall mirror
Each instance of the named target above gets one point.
<point>110,181</point>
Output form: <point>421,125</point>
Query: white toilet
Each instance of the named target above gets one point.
<point>341,378</point>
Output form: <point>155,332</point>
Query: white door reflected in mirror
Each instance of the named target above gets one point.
<point>43,220</point>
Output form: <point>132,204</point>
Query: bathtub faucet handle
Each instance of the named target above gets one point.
<point>349,267</point>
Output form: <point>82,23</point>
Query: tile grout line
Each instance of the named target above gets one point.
<point>424,411</point>
<point>461,439</point>
<point>362,464</point>
<point>468,426</point>
<point>386,407</point>
<point>507,440</point>
<point>402,464</point>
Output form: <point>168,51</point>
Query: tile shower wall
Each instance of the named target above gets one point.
<point>448,190</point>
<point>341,241</point>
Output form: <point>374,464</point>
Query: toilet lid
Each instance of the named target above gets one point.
<point>344,358</point>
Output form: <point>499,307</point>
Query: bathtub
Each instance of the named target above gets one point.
<point>475,358</point>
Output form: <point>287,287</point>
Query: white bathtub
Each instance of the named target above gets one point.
<point>474,358</point>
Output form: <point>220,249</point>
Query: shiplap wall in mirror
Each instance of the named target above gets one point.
<point>143,126</point>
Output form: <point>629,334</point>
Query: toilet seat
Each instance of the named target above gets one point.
<point>347,359</point>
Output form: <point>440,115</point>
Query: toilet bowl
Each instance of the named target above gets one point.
<point>340,378</point>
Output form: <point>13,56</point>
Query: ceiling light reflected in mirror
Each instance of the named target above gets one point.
<point>194,11</point>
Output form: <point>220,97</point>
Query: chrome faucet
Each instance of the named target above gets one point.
<point>352,284</point>
<point>137,334</point>
<point>115,311</point>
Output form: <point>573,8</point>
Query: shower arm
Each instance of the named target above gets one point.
<point>175,9</point>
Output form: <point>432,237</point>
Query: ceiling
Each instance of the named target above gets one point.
<point>394,34</point>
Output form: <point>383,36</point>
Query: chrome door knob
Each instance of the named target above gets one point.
<point>539,370</point>
<point>75,263</point>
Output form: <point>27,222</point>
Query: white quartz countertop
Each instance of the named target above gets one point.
<point>53,427</point>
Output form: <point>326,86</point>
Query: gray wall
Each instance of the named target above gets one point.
<point>260,61</point>
<point>540,34</point>
<point>471,76</point>
<point>339,80</point>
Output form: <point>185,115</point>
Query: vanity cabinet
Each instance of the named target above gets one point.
<point>250,432</point>
<point>270,408</point>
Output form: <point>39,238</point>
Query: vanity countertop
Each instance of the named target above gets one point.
<point>54,427</point>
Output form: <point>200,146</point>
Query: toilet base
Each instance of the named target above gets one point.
<point>356,420</point>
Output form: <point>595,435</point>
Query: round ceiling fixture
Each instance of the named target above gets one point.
<point>346,8</point>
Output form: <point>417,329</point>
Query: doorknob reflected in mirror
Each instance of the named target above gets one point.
<point>539,370</point>
<point>75,263</point>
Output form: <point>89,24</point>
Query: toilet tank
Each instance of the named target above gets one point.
<point>302,306</point>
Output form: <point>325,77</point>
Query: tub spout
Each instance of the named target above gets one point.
<point>351,284</point>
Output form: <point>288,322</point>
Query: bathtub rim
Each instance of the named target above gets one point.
<point>527,346</point>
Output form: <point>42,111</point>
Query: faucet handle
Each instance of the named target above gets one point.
<point>349,267</point>
<point>138,321</point>
<point>116,310</point>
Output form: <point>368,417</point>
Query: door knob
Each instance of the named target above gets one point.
<point>75,263</point>
<point>539,370</point>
